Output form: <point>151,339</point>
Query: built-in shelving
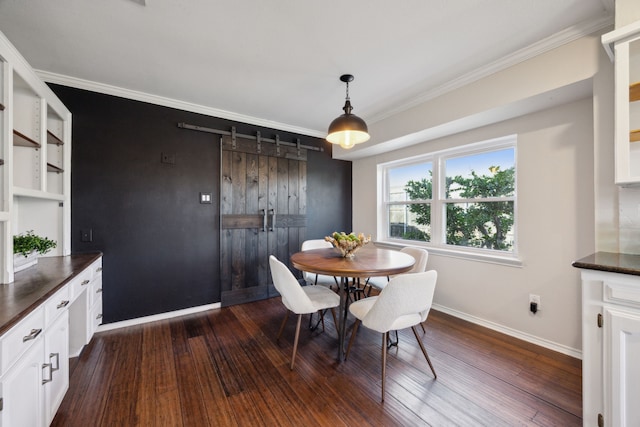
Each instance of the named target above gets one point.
<point>634,135</point>
<point>54,168</point>
<point>22,140</point>
<point>53,139</point>
<point>35,144</point>
<point>634,92</point>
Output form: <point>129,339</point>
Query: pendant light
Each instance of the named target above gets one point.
<point>348,129</point>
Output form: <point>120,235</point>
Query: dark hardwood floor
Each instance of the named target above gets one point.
<point>223,367</point>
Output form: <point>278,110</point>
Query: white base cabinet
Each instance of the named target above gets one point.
<point>34,354</point>
<point>22,390</point>
<point>56,366</point>
<point>611,349</point>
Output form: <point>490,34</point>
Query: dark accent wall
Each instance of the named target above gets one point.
<point>161,246</point>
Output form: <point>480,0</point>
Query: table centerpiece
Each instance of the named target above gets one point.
<point>347,244</point>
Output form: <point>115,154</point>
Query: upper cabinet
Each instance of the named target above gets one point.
<point>35,154</point>
<point>623,45</point>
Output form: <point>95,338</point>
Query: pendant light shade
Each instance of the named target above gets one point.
<point>348,129</point>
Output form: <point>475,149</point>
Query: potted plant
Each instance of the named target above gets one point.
<point>26,248</point>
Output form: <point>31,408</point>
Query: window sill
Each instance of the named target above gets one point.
<point>478,256</point>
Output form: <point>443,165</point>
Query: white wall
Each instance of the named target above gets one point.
<point>627,12</point>
<point>559,178</point>
<point>555,227</point>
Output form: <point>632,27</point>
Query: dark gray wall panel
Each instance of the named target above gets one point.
<point>161,246</point>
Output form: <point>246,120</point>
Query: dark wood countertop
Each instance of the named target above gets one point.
<point>612,262</point>
<point>32,286</point>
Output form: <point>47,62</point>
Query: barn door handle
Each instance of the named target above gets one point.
<point>273,219</point>
<point>264,219</point>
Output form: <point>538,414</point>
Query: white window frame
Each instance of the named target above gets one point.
<point>439,201</point>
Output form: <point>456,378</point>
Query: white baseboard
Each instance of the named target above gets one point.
<point>512,332</point>
<point>155,317</point>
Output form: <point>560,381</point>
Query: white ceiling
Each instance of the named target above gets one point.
<point>278,62</point>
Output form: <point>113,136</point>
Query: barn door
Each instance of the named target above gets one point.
<point>262,212</point>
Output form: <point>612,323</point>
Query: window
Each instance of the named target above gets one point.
<point>461,199</point>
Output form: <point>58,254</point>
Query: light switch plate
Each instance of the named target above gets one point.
<point>206,198</point>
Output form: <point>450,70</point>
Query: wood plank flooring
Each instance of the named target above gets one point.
<point>224,368</point>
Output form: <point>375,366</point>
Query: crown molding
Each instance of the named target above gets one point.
<point>106,89</point>
<point>561,38</point>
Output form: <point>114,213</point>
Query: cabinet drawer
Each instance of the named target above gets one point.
<point>56,305</point>
<point>78,284</point>
<point>19,339</point>
<point>96,268</point>
<point>622,293</point>
<point>95,316</point>
<point>95,290</point>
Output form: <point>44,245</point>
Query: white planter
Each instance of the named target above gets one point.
<point>20,262</point>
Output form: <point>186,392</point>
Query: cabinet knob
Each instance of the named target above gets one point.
<point>99,269</point>
<point>32,335</point>
<point>99,316</point>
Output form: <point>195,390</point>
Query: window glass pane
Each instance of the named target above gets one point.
<point>487,225</point>
<point>489,174</point>
<point>410,222</point>
<point>411,182</point>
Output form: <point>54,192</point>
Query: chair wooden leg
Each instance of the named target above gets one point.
<point>284,321</point>
<point>333,313</point>
<point>295,341</point>
<point>384,360</point>
<point>353,337</point>
<point>424,351</point>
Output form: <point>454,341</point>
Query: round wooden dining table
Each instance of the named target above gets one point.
<point>369,261</point>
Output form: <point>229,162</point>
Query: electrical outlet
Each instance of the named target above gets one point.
<point>534,303</point>
<point>86,235</point>
<point>168,158</point>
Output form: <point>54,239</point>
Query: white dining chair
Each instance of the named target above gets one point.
<point>300,299</point>
<point>318,279</point>
<point>404,303</point>
<point>421,256</point>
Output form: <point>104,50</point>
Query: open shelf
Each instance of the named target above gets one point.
<point>54,168</point>
<point>37,194</point>
<point>22,140</point>
<point>52,139</point>
<point>634,92</point>
<point>634,135</point>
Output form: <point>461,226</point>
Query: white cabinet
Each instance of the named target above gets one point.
<point>611,348</point>
<point>34,353</point>
<point>56,365</point>
<point>624,45</point>
<point>21,390</point>
<point>22,352</point>
<point>85,312</point>
<point>622,373</point>
<point>35,159</point>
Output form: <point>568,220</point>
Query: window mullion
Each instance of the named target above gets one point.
<point>437,219</point>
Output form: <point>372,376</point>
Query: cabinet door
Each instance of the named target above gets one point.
<point>56,365</point>
<point>623,371</point>
<point>21,390</point>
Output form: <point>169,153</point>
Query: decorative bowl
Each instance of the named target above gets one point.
<point>347,244</point>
